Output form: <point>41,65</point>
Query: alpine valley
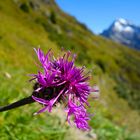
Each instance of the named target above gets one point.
<point>115,68</point>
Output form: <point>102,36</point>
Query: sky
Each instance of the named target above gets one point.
<point>97,15</point>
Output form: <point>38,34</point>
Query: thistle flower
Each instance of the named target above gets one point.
<point>61,81</point>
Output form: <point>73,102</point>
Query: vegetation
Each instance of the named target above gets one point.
<point>26,24</point>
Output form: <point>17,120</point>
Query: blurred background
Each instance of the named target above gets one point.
<point>106,37</point>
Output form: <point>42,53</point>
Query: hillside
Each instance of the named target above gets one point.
<point>25,24</point>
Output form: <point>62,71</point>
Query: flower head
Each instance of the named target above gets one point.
<point>62,81</point>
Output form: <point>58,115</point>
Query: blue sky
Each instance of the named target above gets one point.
<point>99,14</point>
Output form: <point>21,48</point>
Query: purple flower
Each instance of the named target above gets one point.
<point>61,81</point>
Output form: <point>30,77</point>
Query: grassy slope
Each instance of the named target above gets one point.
<point>46,25</point>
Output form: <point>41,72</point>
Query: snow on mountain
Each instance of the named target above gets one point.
<point>124,32</point>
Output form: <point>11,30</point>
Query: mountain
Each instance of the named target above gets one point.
<point>25,24</point>
<point>124,32</point>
